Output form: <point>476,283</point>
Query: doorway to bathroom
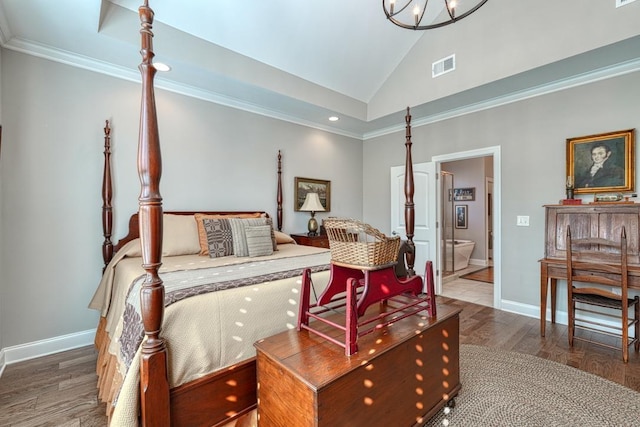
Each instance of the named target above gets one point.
<point>469,226</point>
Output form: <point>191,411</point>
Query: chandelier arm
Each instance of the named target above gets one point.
<point>424,9</point>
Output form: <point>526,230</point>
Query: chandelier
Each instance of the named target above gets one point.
<point>428,14</point>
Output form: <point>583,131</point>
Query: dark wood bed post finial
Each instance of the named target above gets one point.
<point>154,383</point>
<point>107,192</point>
<point>409,207</point>
<point>279,195</point>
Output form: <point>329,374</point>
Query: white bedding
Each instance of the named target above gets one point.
<point>207,332</point>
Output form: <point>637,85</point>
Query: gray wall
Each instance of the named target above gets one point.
<point>214,158</point>
<point>532,136</point>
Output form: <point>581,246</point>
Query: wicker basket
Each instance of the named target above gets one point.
<point>354,243</point>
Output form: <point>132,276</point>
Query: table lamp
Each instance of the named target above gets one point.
<point>312,204</point>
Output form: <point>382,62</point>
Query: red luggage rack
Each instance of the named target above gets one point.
<point>367,279</point>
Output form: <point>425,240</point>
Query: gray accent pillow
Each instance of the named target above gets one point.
<point>219,237</point>
<point>259,241</point>
<point>239,236</point>
<point>269,222</point>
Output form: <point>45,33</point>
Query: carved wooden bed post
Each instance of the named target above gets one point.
<point>154,383</point>
<point>409,207</point>
<point>279,195</point>
<point>107,192</point>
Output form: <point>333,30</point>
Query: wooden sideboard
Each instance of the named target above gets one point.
<point>603,220</point>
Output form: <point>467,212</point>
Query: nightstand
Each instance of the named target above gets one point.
<point>319,241</point>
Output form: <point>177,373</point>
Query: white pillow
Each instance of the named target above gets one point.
<point>282,238</point>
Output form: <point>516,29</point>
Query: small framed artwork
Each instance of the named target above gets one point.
<point>464,194</point>
<point>461,216</point>
<point>602,163</point>
<point>302,186</point>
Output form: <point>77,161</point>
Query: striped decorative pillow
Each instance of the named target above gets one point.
<point>239,236</point>
<point>259,241</point>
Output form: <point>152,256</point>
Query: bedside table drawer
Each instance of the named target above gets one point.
<point>321,241</point>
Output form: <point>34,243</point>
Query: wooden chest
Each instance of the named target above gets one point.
<point>401,375</point>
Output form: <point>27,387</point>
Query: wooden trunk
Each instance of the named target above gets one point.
<point>401,375</point>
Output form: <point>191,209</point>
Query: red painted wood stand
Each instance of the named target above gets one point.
<point>354,290</point>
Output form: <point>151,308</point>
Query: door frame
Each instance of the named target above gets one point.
<point>488,186</point>
<point>497,211</point>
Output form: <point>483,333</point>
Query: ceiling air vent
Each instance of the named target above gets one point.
<point>445,65</point>
<point>623,2</point>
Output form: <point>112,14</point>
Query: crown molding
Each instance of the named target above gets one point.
<point>91,64</point>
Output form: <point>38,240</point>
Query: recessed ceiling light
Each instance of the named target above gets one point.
<point>161,66</point>
<point>334,118</point>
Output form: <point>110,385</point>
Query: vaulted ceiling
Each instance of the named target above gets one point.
<point>304,61</point>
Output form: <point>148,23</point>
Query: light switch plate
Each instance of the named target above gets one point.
<point>522,221</point>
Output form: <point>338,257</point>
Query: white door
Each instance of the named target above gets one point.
<point>425,236</point>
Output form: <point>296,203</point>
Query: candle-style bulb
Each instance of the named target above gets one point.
<point>416,14</point>
<point>451,7</point>
<point>392,3</point>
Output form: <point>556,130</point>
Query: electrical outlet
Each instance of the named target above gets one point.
<point>522,220</point>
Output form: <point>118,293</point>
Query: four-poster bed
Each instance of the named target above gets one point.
<point>214,395</point>
<point>267,300</point>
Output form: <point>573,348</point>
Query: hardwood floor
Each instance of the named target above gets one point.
<point>55,390</point>
<point>60,390</point>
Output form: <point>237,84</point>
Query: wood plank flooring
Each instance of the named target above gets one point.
<point>60,390</point>
<point>483,275</point>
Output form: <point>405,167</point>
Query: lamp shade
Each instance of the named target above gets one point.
<point>312,203</point>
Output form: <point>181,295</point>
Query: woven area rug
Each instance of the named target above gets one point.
<point>483,275</point>
<point>502,388</point>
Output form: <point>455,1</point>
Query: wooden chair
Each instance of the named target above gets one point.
<point>602,265</point>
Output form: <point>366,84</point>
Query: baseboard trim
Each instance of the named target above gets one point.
<point>474,261</point>
<point>41,348</point>
<point>562,317</point>
<point>532,311</point>
<point>2,362</point>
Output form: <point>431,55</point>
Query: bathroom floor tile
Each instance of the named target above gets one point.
<point>468,290</point>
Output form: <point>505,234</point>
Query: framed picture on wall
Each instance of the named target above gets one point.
<point>464,194</point>
<point>461,216</point>
<point>302,186</point>
<point>602,163</point>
